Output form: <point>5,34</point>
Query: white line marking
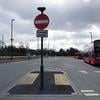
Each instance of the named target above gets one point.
<point>82,71</point>
<point>69,65</point>
<point>87,91</point>
<point>91,94</point>
<point>97,71</point>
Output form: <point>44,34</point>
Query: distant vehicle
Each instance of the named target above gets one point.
<point>91,53</point>
<point>78,55</point>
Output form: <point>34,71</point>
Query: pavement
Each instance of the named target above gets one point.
<point>16,59</point>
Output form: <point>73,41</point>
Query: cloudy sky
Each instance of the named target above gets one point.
<point>71,22</point>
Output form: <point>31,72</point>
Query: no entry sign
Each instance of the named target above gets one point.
<point>41,21</point>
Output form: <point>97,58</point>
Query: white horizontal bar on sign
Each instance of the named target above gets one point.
<point>41,22</point>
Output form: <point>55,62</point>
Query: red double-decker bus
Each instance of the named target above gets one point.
<point>91,53</point>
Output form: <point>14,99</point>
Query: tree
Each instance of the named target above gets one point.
<point>72,51</point>
<point>62,52</point>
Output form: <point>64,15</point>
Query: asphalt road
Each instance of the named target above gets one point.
<point>84,78</point>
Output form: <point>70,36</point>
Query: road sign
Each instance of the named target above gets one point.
<point>41,21</point>
<point>42,33</point>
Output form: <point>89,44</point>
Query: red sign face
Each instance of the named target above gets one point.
<point>41,21</point>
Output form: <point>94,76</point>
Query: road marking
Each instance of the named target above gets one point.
<point>61,80</point>
<point>87,91</point>
<point>82,71</point>
<point>68,65</point>
<point>91,94</point>
<point>28,78</point>
<point>97,71</point>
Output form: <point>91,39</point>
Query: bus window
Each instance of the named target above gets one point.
<point>97,52</point>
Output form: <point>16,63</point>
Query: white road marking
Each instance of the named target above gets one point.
<point>91,94</point>
<point>83,71</point>
<point>97,71</point>
<point>87,91</point>
<point>69,65</point>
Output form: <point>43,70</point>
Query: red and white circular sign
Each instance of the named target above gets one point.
<point>41,21</point>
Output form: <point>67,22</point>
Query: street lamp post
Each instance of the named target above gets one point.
<point>91,36</point>
<point>91,41</point>
<point>2,40</point>
<point>12,20</point>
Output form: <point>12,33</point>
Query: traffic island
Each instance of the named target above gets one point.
<point>54,83</point>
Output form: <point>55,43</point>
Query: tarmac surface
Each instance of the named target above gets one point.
<point>83,78</point>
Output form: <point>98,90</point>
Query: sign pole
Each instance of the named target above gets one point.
<point>41,67</point>
<point>41,22</point>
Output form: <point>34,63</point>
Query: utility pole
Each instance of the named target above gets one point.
<point>91,41</point>
<point>2,40</point>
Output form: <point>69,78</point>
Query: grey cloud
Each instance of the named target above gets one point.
<point>74,16</point>
<point>23,27</point>
<point>79,17</point>
<point>78,14</point>
<point>23,8</point>
<point>80,35</point>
